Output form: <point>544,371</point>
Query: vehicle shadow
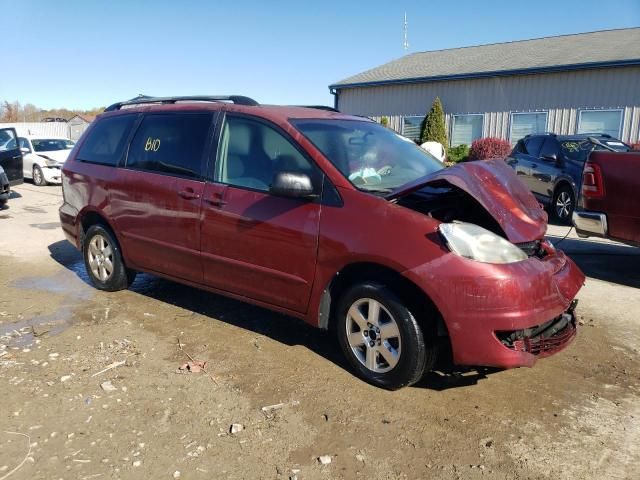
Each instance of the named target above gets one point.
<point>611,262</point>
<point>7,206</point>
<point>281,328</point>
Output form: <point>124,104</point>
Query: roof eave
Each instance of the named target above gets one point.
<point>497,73</point>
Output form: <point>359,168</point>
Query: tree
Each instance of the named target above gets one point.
<point>432,127</point>
<point>16,112</point>
<point>10,111</point>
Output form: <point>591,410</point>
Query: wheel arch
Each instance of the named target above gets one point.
<point>562,182</point>
<point>87,219</point>
<point>416,299</point>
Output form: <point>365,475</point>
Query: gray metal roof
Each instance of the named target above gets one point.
<point>566,52</point>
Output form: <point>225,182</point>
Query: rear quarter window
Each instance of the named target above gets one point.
<point>107,139</point>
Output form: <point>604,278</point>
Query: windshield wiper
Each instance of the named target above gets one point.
<point>595,141</point>
<point>377,190</point>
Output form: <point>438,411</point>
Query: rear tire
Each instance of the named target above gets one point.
<point>103,260</point>
<point>380,337</point>
<point>563,204</point>
<point>38,176</point>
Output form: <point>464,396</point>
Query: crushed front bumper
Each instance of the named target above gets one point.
<point>543,340</point>
<point>480,302</point>
<point>52,174</point>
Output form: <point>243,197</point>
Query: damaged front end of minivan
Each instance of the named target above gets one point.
<point>507,296</point>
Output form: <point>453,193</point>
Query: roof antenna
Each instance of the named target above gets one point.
<point>405,44</point>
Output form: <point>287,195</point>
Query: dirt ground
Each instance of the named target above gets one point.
<point>575,415</point>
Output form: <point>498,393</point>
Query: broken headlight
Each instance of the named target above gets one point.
<point>476,243</point>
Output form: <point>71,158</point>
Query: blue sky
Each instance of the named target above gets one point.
<point>83,54</point>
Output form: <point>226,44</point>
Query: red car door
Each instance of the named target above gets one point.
<point>253,243</point>
<point>156,198</point>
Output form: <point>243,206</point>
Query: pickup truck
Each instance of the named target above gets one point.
<point>609,203</point>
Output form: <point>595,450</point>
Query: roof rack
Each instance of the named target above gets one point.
<point>144,99</point>
<point>541,133</point>
<point>595,134</point>
<point>320,107</point>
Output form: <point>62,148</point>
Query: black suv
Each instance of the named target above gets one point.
<point>551,166</point>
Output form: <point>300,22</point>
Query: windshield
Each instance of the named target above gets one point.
<point>50,144</point>
<point>371,156</point>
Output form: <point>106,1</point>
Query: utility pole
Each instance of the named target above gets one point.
<point>405,44</point>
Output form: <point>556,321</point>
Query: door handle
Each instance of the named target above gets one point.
<point>534,165</point>
<point>188,194</point>
<point>216,202</point>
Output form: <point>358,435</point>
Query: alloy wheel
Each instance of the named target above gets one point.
<point>100,257</point>
<point>373,335</point>
<point>37,176</point>
<point>564,205</point>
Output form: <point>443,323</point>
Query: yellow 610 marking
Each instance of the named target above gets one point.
<point>153,144</point>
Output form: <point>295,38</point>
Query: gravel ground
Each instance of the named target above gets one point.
<point>90,387</point>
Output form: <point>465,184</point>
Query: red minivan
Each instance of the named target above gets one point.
<point>327,217</point>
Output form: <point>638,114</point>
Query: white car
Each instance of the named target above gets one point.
<point>43,158</point>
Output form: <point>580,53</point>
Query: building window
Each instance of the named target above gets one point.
<point>411,127</point>
<point>466,129</point>
<point>600,121</point>
<point>523,124</point>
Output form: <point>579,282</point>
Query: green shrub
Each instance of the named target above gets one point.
<point>458,154</point>
<point>433,128</point>
<point>384,121</point>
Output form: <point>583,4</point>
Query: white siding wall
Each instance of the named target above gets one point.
<point>48,129</point>
<point>562,95</point>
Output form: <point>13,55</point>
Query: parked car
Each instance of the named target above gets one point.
<point>10,156</point>
<point>327,217</point>
<point>551,166</point>
<point>43,158</point>
<point>609,205</point>
<point>5,188</point>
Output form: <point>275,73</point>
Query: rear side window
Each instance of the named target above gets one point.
<point>550,147</point>
<point>106,141</point>
<point>171,144</point>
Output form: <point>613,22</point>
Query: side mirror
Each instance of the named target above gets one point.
<point>292,185</point>
<point>552,157</point>
<point>25,150</point>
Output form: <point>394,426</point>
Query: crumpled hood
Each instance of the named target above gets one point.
<point>57,155</point>
<point>496,187</point>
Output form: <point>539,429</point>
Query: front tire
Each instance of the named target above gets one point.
<point>38,176</point>
<point>103,260</point>
<point>563,204</point>
<point>380,337</point>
